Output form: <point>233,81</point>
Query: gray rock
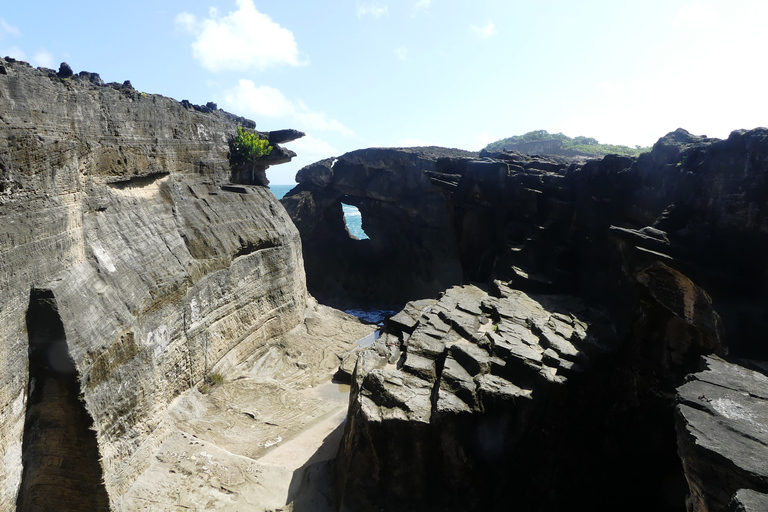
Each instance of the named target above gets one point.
<point>65,71</point>
<point>113,210</point>
<point>722,425</point>
<point>747,500</point>
<point>283,136</point>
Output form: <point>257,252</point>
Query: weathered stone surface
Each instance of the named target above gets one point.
<point>445,396</point>
<point>115,204</point>
<point>747,500</point>
<point>283,136</point>
<point>661,252</point>
<point>405,215</point>
<point>722,425</point>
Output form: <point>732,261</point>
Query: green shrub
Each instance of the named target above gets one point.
<point>584,145</point>
<point>210,382</point>
<point>249,146</point>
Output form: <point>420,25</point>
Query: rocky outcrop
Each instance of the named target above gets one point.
<point>446,405</point>
<point>132,266</point>
<point>666,249</point>
<point>405,214</point>
<point>722,424</point>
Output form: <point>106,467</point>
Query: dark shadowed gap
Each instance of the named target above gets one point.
<point>59,453</point>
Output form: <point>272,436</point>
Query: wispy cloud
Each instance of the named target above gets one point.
<point>412,143</point>
<point>373,9</point>
<point>43,58</point>
<point>402,53</point>
<point>6,29</point>
<point>484,32</point>
<point>263,101</point>
<point>421,5</point>
<point>13,51</point>
<point>244,39</point>
<point>697,15</point>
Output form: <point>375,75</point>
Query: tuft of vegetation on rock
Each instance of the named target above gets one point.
<point>558,143</point>
<point>248,146</point>
<point>210,382</point>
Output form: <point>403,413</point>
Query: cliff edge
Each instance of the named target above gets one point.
<point>134,263</point>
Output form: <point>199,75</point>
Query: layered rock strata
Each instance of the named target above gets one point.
<point>132,266</point>
<point>667,247</point>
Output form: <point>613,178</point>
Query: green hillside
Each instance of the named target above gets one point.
<point>568,145</point>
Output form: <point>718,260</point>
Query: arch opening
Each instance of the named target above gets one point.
<point>353,219</point>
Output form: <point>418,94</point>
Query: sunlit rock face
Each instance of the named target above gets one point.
<point>131,267</point>
<point>551,385</point>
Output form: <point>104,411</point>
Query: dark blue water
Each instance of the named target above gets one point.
<point>351,213</point>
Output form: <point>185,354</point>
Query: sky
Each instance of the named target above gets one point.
<point>456,73</point>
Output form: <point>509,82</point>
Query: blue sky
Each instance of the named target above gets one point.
<point>454,73</point>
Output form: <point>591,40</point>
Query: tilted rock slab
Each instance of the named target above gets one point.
<point>116,208</point>
<point>722,426</point>
<point>436,408</point>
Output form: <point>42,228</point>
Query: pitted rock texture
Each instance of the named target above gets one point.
<point>722,424</point>
<point>119,206</point>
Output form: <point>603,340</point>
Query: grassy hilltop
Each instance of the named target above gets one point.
<point>557,143</point>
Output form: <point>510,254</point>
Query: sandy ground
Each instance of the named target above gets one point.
<point>263,440</point>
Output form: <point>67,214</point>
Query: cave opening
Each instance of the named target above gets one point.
<point>353,220</point>
<point>60,455</point>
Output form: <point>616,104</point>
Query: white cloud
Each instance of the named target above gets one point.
<point>402,53</point>
<point>43,58</point>
<point>413,143</point>
<point>312,149</point>
<point>263,101</point>
<point>422,5</point>
<point>484,32</point>
<point>373,9</point>
<point>15,52</point>
<point>697,15</point>
<point>308,150</point>
<point>646,106</point>
<point>482,140</point>
<point>8,29</point>
<point>186,22</point>
<point>242,40</point>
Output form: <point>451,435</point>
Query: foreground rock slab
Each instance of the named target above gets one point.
<point>264,436</point>
<point>722,425</point>
<point>438,405</point>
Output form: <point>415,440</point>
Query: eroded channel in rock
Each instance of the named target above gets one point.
<point>60,453</point>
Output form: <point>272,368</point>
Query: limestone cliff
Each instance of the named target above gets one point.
<point>132,265</point>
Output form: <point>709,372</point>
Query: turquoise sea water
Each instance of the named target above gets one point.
<point>353,219</point>
<point>351,213</point>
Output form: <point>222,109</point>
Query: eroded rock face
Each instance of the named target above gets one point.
<point>442,402</point>
<point>406,216</point>
<point>664,248</point>
<point>722,436</point>
<point>119,207</point>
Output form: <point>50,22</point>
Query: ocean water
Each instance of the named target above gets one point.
<point>352,215</point>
